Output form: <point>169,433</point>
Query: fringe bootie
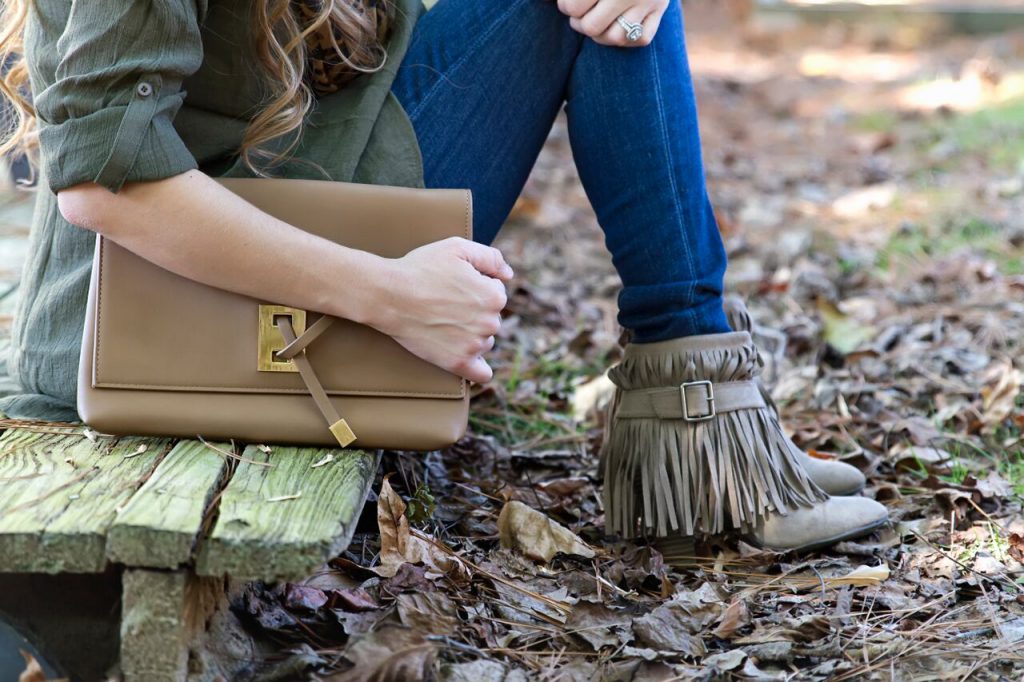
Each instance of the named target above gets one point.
<point>835,478</point>
<point>693,449</point>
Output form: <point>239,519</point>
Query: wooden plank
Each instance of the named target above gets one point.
<point>153,630</point>
<point>260,534</point>
<point>60,493</point>
<point>158,526</point>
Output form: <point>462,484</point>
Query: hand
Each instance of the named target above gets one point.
<point>443,303</point>
<point>597,19</point>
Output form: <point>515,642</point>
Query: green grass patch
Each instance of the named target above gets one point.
<point>881,121</point>
<point>537,407</point>
<point>915,242</point>
<point>996,132</point>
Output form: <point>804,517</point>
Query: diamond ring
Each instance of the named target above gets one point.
<point>633,31</point>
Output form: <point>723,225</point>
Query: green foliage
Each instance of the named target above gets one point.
<point>916,242</point>
<point>420,507</point>
<point>997,132</point>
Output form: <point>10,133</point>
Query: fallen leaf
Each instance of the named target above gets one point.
<point>598,625</point>
<point>732,619</point>
<point>592,397</point>
<point>842,332</point>
<point>432,613</point>
<point>353,600</point>
<point>672,625</point>
<point>399,545</point>
<point>729,660</point>
<point>922,458</point>
<point>33,671</point>
<point>391,652</point>
<point>862,576</point>
<point>303,598</point>
<point>999,397</point>
<point>535,535</point>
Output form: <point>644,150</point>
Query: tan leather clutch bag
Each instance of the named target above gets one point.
<point>165,355</point>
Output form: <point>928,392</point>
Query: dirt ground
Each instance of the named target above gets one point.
<point>869,181</point>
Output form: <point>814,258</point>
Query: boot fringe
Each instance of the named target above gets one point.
<point>739,318</point>
<point>672,476</point>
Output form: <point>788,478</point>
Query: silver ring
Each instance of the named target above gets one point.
<point>633,31</point>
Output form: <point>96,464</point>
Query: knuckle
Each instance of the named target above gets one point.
<point>574,8</point>
<point>498,300</point>
<point>590,26</point>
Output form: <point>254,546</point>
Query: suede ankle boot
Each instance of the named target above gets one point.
<point>835,478</point>
<point>693,449</point>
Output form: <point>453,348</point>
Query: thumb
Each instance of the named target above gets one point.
<point>487,260</point>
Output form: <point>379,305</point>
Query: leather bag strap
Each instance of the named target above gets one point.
<point>338,426</point>
<point>306,338</point>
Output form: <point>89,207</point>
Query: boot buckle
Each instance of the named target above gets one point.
<point>709,397</point>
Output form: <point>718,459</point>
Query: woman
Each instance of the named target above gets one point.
<point>139,102</point>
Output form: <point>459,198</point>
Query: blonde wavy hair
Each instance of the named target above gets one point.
<point>282,52</point>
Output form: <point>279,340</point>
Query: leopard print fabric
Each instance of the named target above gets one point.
<point>326,72</point>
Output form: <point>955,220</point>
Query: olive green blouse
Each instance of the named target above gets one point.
<point>130,90</point>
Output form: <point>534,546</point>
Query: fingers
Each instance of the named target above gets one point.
<point>616,35</point>
<point>493,295</point>
<point>475,369</point>
<point>575,8</point>
<point>486,259</point>
<point>601,22</point>
<point>601,18</point>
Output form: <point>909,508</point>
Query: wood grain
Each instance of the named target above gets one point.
<point>158,527</point>
<point>59,494</point>
<point>282,522</point>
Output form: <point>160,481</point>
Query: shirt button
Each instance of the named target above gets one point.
<point>144,89</point>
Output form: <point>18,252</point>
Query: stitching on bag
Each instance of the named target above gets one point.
<point>276,391</point>
<point>99,310</point>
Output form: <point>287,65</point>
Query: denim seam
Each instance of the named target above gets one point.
<point>691,313</point>
<point>465,55</point>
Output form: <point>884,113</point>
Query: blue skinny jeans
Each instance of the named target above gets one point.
<point>482,83</point>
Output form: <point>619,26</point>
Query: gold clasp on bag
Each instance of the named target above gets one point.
<point>270,340</point>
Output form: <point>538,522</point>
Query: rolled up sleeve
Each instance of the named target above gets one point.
<point>108,117</point>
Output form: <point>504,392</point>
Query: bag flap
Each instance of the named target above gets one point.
<point>157,330</point>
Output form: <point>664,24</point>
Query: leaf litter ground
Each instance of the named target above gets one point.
<point>869,179</point>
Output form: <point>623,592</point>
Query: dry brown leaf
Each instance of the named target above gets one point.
<point>732,619</point>
<point>33,672</point>
<point>862,576</point>
<point>592,397</point>
<point>398,545</point>
<point>919,457</point>
<point>535,535</point>
<point>999,398</point>
<point>391,652</point>
<point>431,613</point>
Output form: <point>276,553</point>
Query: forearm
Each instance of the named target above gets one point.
<point>193,226</point>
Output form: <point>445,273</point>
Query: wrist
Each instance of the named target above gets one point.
<point>366,289</point>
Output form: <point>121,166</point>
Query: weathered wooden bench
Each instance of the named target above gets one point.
<point>168,515</point>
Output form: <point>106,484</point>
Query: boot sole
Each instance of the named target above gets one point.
<point>828,542</point>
